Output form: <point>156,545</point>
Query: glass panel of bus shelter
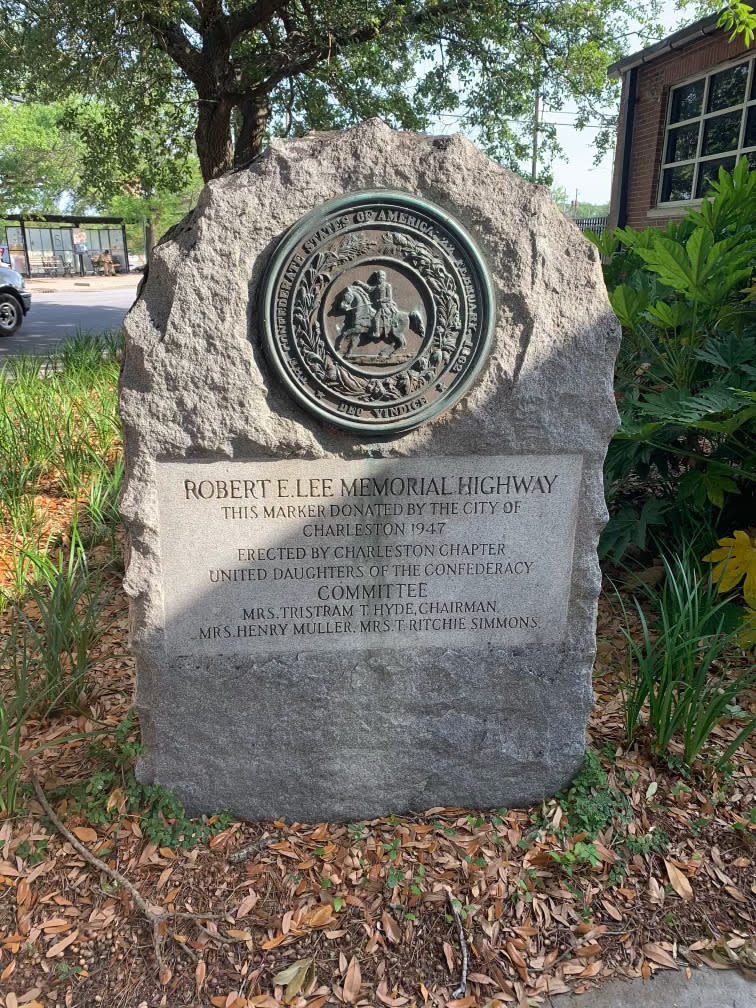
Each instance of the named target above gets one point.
<point>34,239</point>
<point>66,254</point>
<point>63,255</point>
<point>47,245</point>
<point>16,247</point>
<point>93,240</point>
<point>116,241</point>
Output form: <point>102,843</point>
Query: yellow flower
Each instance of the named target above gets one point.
<point>735,559</point>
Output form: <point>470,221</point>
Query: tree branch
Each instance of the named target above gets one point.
<point>171,39</point>
<point>392,23</point>
<point>253,16</point>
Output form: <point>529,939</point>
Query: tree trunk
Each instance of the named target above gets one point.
<point>213,136</point>
<point>254,120</point>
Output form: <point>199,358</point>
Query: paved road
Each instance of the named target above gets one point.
<point>707,988</point>
<point>54,317</point>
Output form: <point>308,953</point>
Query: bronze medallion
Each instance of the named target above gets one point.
<point>378,311</point>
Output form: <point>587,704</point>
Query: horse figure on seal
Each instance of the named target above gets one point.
<point>372,315</point>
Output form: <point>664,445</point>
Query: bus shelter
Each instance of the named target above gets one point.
<point>59,245</point>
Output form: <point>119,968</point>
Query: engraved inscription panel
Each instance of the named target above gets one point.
<point>378,311</point>
<point>279,557</point>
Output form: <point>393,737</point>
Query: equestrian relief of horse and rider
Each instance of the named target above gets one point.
<point>378,311</point>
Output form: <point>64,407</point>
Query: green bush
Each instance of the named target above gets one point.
<point>685,456</point>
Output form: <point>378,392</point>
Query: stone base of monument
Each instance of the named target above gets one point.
<point>361,586</point>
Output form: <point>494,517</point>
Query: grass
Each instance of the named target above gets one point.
<point>60,478</point>
<point>58,423</point>
<point>681,686</point>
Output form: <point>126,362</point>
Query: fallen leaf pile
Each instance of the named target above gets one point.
<point>358,914</point>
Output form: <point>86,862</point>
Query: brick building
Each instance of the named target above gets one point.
<point>688,106</point>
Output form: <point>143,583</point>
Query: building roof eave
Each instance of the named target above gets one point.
<point>678,40</point>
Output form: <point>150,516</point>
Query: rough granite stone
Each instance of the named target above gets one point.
<point>350,735</point>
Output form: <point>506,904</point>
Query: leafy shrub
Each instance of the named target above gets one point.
<point>685,455</point>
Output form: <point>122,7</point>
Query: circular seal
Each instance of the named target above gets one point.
<point>378,311</point>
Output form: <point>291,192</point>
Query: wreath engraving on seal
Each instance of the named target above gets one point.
<point>378,311</point>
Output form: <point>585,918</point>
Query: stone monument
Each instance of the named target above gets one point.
<point>366,398</point>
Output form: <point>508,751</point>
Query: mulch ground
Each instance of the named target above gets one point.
<point>325,914</point>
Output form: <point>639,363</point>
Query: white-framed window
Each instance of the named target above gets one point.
<point>711,123</point>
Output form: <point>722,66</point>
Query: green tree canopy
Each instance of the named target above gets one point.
<point>39,161</point>
<point>149,214</point>
<point>238,69</point>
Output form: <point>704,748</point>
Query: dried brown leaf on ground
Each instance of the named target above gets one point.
<point>352,981</point>
<point>679,880</point>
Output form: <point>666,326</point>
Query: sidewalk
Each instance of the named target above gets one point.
<point>707,988</point>
<point>56,285</point>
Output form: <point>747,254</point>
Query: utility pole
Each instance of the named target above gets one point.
<point>536,124</point>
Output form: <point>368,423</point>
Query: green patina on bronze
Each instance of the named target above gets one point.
<point>378,311</point>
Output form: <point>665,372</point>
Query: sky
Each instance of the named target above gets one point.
<point>575,170</point>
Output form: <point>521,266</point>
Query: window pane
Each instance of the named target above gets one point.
<point>721,133</point>
<point>686,101</point>
<point>751,156</point>
<point>682,142</point>
<point>750,130</point>
<point>677,184</point>
<point>727,87</point>
<point>708,171</point>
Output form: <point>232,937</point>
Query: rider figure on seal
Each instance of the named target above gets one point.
<point>386,317</point>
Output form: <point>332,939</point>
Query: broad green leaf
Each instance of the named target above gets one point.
<point>628,304</point>
<point>669,261</point>
<point>669,316</point>
<point>698,247</point>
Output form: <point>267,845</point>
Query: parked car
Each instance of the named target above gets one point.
<point>15,302</point>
